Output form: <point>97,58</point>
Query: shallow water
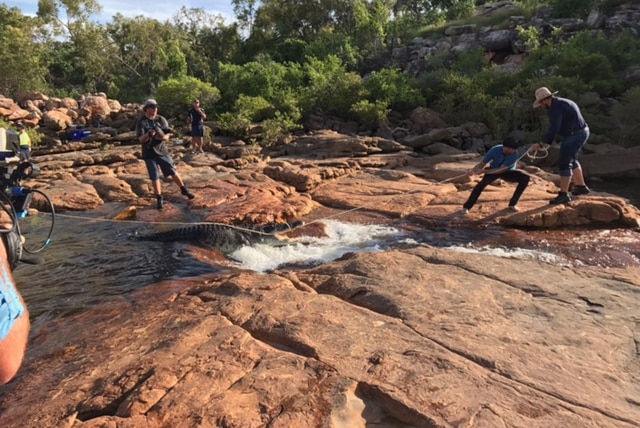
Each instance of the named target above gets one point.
<point>91,259</point>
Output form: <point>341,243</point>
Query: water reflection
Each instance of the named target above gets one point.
<point>91,260</point>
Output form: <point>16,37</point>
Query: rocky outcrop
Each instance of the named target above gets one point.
<point>419,337</point>
<point>499,43</point>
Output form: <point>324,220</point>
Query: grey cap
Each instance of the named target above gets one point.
<point>150,103</point>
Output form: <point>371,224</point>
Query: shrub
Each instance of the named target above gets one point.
<point>275,129</point>
<point>330,87</point>
<point>395,89</point>
<point>255,109</point>
<point>234,124</point>
<point>369,114</point>
<point>469,62</point>
<point>176,95</point>
<point>625,115</point>
<point>573,8</point>
<point>529,36</point>
<point>264,78</point>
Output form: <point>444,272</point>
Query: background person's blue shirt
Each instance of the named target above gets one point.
<point>496,159</point>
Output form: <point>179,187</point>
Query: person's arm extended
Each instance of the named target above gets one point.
<point>555,120</point>
<point>14,316</point>
<point>479,168</point>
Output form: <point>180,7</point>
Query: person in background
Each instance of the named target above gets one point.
<point>14,318</point>
<point>502,160</point>
<point>25,142</point>
<point>565,119</point>
<point>195,122</point>
<point>153,131</point>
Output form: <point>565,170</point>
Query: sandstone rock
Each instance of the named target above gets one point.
<point>419,337</point>
<point>451,136</point>
<point>56,120</point>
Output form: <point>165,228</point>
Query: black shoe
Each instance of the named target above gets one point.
<point>580,190</point>
<point>159,202</point>
<point>562,198</point>
<point>187,193</point>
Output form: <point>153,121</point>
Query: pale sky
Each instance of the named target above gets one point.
<point>161,10</point>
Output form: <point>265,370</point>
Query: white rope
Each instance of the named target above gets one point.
<point>537,154</point>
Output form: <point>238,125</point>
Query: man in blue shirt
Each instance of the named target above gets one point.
<point>565,120</point>
<point>502,160</point>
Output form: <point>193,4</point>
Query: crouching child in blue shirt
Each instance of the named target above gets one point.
<point>499,162</point>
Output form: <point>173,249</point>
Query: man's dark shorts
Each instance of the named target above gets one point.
<point>164,162</point>
<point>569,148</point>
<point>197,131</point>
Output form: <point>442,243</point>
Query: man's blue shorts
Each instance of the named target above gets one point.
<point>569,148</point>
<point>164,162</point>
<point>11,308</point>
<point>197,131</point>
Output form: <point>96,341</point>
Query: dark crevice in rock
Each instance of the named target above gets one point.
<point>633,402</point>
<point>589,302</point>
<point>363,297</point>
<point>398,410</point>
<point>282,342</point>
<point>112,406</point>
<point>483,362</point>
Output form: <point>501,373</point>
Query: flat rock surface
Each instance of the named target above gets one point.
<point>413,336</point>
<point>420,337</point>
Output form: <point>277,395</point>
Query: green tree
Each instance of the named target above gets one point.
<point>330,87</point>
<point>331,43</point>
<point>396,89</point>
<point>245,11</point>
<point>275,82</point>
<point>22,67</point>
<point>145,53</point>
<point>205,41</point>
<point>67,17</point>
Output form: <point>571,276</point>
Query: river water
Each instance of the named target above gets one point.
<point>92,259</point>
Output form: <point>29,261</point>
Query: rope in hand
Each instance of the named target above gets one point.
<point>536,154</point>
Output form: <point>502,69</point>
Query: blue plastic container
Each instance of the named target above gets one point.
<point>79,134</point>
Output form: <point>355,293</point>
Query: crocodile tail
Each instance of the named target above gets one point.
<point>187,233</point>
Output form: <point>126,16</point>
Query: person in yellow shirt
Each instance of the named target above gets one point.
<point>25,142</point>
